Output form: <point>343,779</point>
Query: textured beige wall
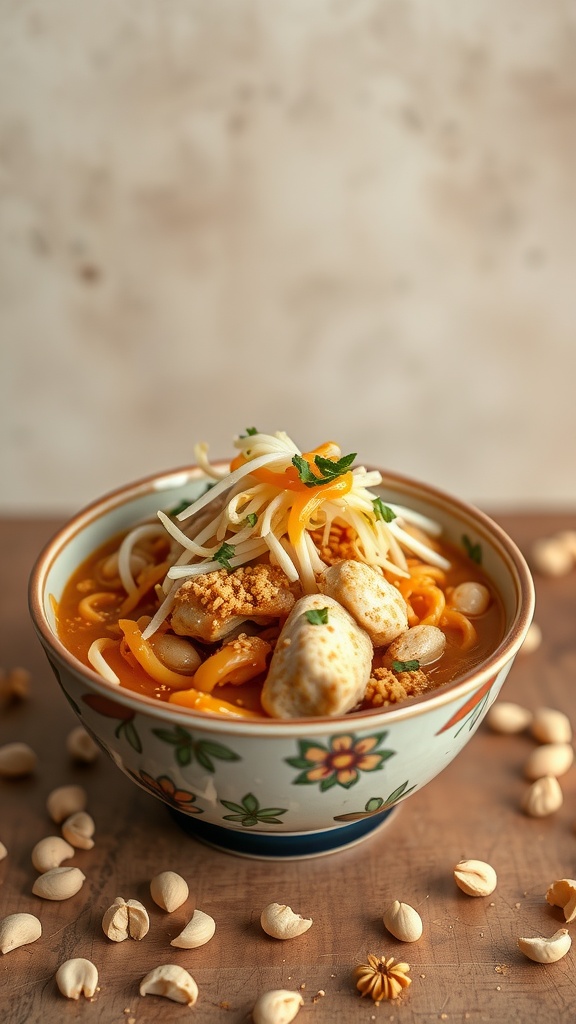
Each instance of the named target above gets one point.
<point>352,219</point>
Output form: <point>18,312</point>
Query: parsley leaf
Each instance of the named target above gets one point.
<point>330,469</point>
<point>474,551</point>
<point>317,616</point>
<point>304,472</point>
<point>406,666</point>
<point>251,519</point>
<point>382,511</point>
<point>224,554</point>
<point>250,431</point>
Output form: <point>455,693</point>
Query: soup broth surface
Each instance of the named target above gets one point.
<point>93,602</point>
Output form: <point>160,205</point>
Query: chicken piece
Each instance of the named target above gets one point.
<point>376,604</point>
<point>210,606</point>
<point>318,668</point>
<point>386,687</point>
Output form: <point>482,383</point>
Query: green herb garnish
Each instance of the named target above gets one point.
<point>317,616</point>
<point>382,511</point>
<point>406,666</point>
<point>474,551</point>
<point>330,469</point>
<point>250,431</point>
<point>251,519</point>
<point>224,554</point>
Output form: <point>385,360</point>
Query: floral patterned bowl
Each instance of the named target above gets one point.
<point>279,789</point>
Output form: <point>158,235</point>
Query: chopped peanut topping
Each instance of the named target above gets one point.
<point>388,687</point>
<point>257,589</point>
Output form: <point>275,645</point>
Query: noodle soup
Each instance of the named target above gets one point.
<point>289,588</point>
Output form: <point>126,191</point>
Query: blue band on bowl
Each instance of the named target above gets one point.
<point>273,846</point>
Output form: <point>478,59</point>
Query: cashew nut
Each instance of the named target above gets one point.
<point>281,922</point>
<point>50,852</point>
<point>64,801</point>
<point>507,717</point>
<point>77,977</point>
<point>546,951</point>
<point>17,760</point>
<point>551,726</point>
<point>125,918</point>
<point>59,883</point>
<point>475,877</point>
<point>78,829</point>
<point>279,1006</point>
<point>562,893</point>
<point>172,982</point>
<point>549,759</point>
<point>403,922</point>
<point>81,746</point>
<point>18,930</point>
<point>197,932</point>
<point>543,797</point>
<point>169,890</point>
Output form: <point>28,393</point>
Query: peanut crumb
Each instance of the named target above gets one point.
<point>251,588</point>
<point>318,995</point>
<point>387,687</point>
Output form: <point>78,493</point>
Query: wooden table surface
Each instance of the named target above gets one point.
<point>466,966</point>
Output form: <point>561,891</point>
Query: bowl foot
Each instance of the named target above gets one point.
<point>282,845</point>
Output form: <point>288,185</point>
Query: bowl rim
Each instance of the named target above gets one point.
<point>158,482</point>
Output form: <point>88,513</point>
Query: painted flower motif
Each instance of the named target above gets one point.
<point>340,763</point>
<point>167,790</point>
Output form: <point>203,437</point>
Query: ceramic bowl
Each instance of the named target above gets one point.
<point>279,788</point>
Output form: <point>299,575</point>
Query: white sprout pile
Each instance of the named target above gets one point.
<point>250,518</point>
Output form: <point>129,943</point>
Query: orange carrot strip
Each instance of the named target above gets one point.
<point>149,577</point>
<point>305,505</point>
<point>145,657</point>
<point>204,702</point>
<point>289,479</point>
<point>232,664</point>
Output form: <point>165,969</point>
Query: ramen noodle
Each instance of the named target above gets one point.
<point>290,587</point>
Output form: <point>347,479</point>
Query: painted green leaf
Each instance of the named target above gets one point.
<point>233,807</point>
<point>183,756</point>
<point>250,803</point>
<point>167,736</point>
<point>217,750</point>
<point>298,762</point>
<point>401,791</point>
<point>329,782</point>
<point>374,804</point>
<point>128,730</point>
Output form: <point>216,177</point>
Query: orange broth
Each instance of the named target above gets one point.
<point>77,634</point>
